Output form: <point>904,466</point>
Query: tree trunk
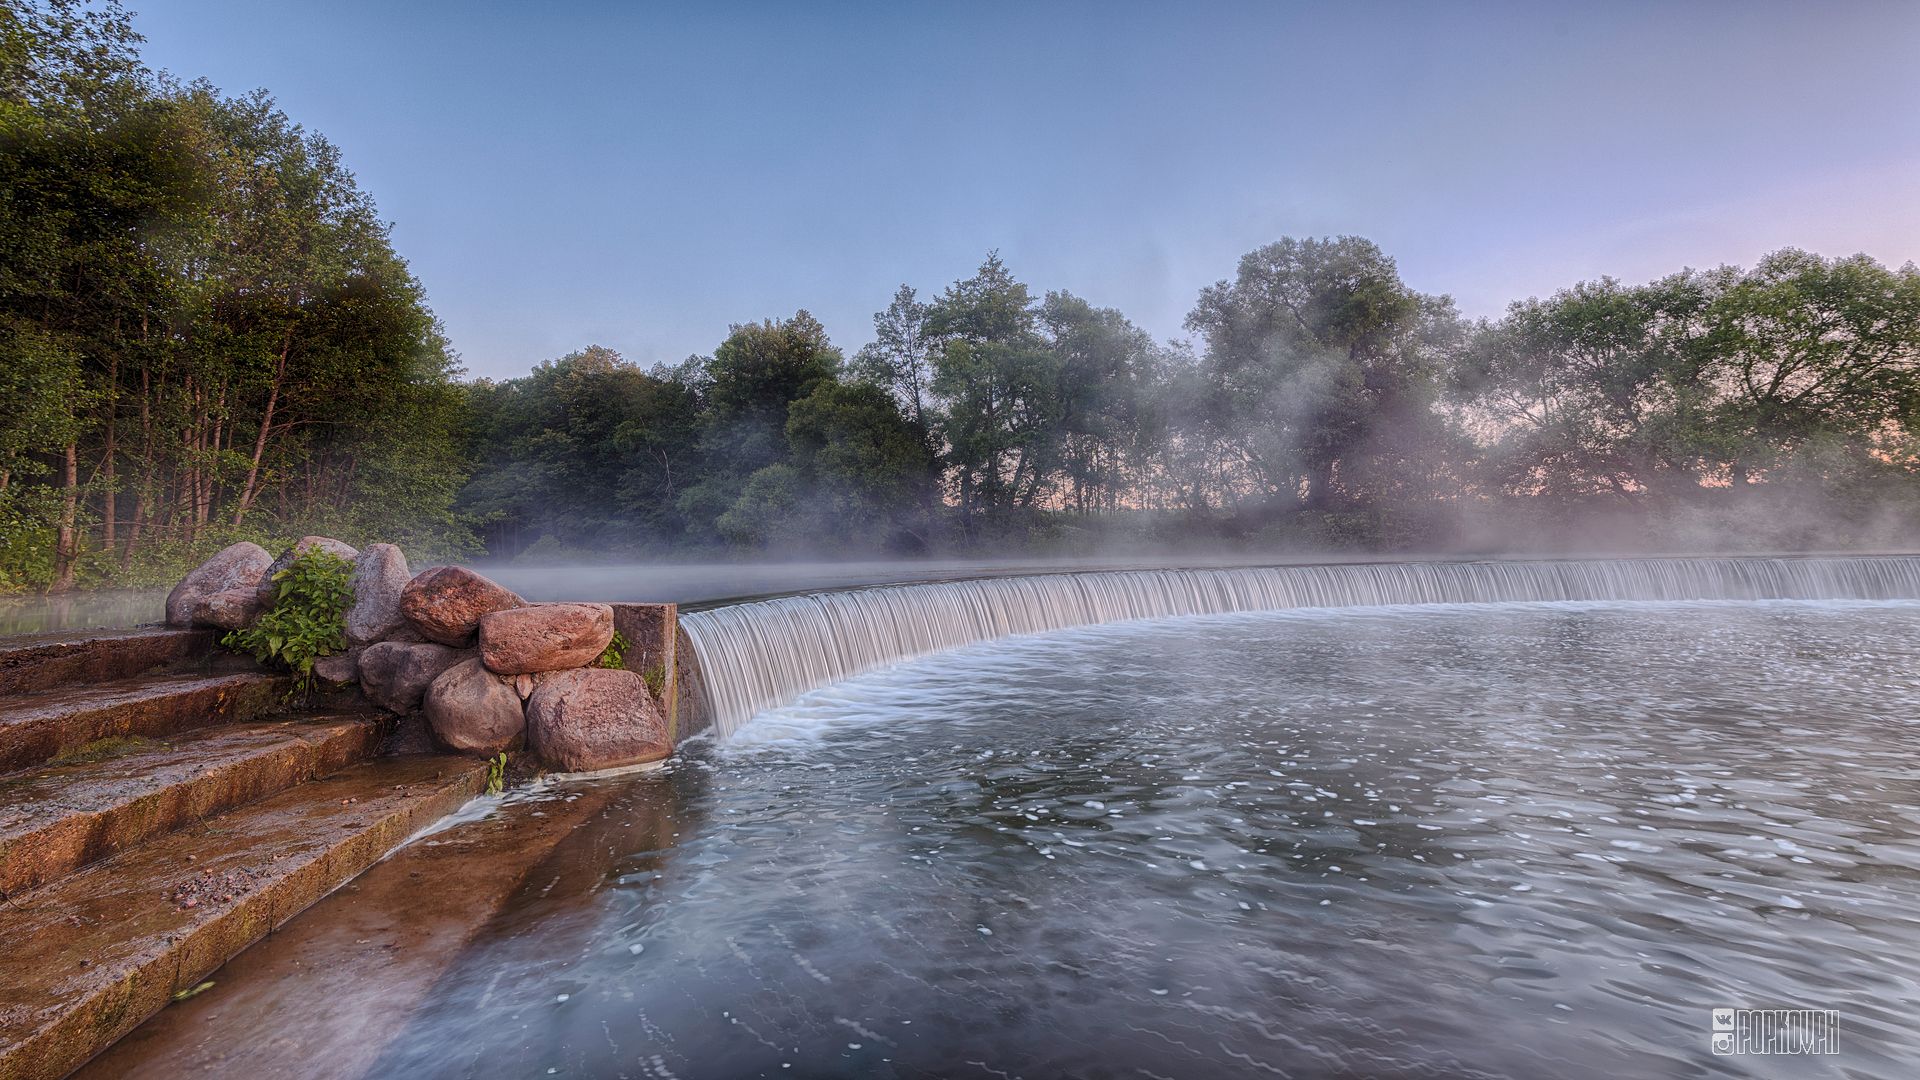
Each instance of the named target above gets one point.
<point>111,473</point>
<point>142,497</point>
<point>248,491</point>
<point>219,444</point>
<point>1319,486</point>
<point>66,547</point>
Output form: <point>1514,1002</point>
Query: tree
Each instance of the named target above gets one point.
<point>996,383</point>
<point>1594,391</point>
<point>558,449</point>
<point>1318,357</point>
<point>241,330</point>
<point>752,378</point>
<point>900,358</point>
<point>1803,350</point>
<point>1108,372</point>
<point>868,467</point>
<point>1699,379</point>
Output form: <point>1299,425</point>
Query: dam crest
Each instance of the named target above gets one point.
<point>753,656</point>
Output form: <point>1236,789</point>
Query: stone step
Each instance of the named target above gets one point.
<point>92,955</point>
<point>58,817</point>
<point>40,727</point>
<point>41,662</point>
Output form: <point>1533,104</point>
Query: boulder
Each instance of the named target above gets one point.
<point>595,718</point>
<point>446,603</point>
<point>232,608</point>
<point>395,675</point>
<point>340,667</point>
<point>236,569</point>
<point>544,637</point>
<point>304,544</point>
<point>379,577</point>
<point>475,711</point>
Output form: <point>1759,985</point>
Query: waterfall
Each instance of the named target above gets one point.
<point>753,656</point>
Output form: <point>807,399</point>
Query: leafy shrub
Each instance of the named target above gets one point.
<point>615,654</point>
<point>308,618</point>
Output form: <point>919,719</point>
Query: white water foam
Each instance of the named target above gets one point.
<point>758,655</point>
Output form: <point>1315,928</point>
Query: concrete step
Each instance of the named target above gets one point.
<point>58,817</point>
<point>40,727</point>
<point>41,662</point>
<point>95,953</point>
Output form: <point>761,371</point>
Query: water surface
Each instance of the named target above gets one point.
<point>1472,841</point>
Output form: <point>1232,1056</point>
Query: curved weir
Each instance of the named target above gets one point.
<point>756,655</point>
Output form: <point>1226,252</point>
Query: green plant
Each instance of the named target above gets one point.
<point>615,654</point>
<point>497,773</point>
<point>308,618</point>
<point>656,679</point>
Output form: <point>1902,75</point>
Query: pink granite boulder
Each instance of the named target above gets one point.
<point>446,603</point>
<point>475,711</point>
<point>595,718</point>
<point>544,637</point>
<point>395,675</point>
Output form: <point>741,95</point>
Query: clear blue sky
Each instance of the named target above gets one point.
<point>641,175</point>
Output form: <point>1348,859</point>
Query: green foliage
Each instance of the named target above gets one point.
<point>615,654</point>
<point>308,617</point>
<point>769,504</point>
<point>1328,406</point>
<point>863,467</point>
<point>1321,367</point>
<point>497,773</point>
<point>656,679</point>
<point>747,386</point>
<point>203,324</point>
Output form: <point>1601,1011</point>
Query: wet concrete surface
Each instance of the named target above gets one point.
<point>325,995</point>
<point>42,662</point>
<point>39,727</point>
<point>94,954</point>
<point>119,792</point>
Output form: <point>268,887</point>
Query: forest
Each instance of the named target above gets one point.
<point>206,335</point>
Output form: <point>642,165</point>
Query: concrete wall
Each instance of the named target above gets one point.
<point>655,643</point>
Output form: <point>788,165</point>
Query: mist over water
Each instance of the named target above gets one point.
<point>1456,841</point>
<point>82,610</point>
<point>697,585</point>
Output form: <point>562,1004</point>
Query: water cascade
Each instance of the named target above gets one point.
<point>756,655</point>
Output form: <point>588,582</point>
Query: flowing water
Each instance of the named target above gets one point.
<point>1496,840</point>
<point>753,656</point>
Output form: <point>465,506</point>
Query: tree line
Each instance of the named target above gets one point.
<point>1320,403</point>
<point>206,335</point>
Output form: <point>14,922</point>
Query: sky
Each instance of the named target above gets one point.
<point>642,176</point>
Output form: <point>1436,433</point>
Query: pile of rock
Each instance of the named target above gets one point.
<point>490,671</point>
